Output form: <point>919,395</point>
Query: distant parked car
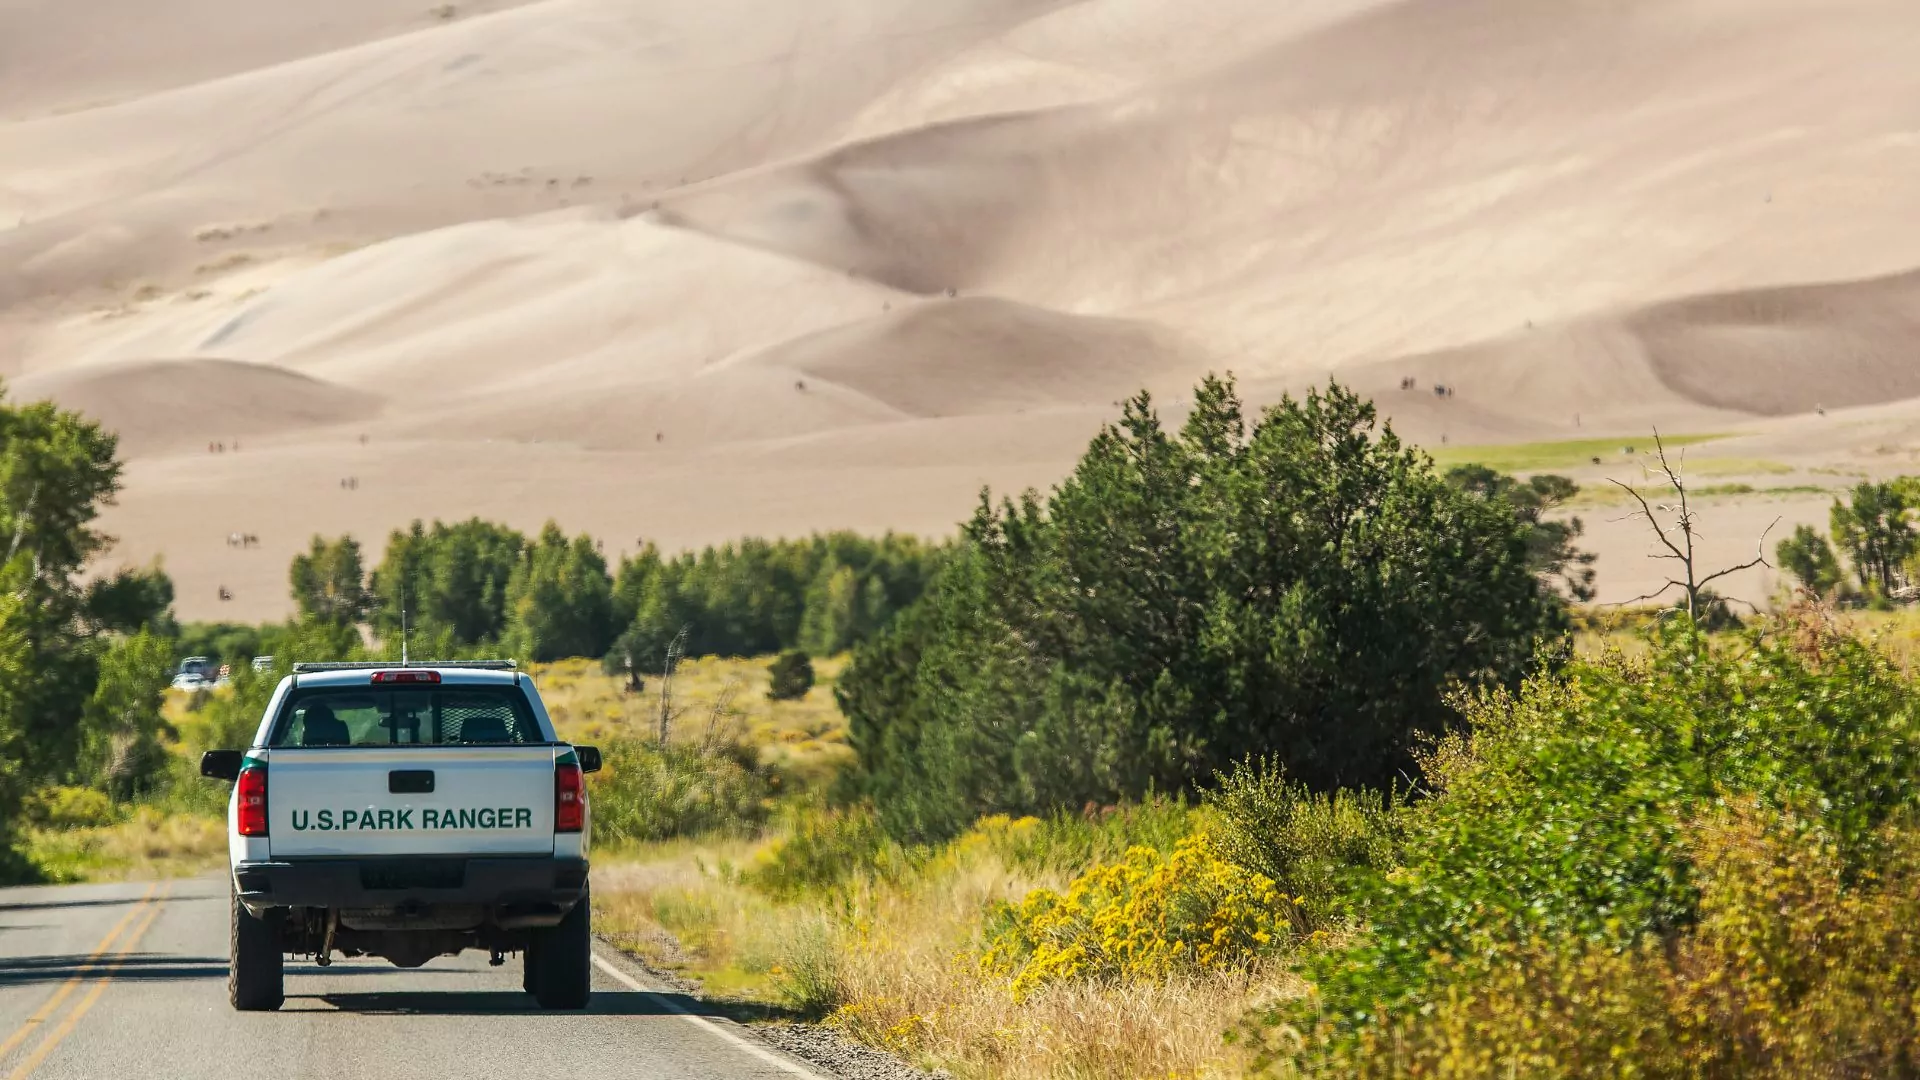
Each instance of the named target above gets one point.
<point>262,663</point>
<point>189,681</point>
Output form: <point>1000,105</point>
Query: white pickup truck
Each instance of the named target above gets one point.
<point>407,811</point>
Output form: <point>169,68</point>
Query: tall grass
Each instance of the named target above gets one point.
<point>891,955</point>
<point>146,843</point>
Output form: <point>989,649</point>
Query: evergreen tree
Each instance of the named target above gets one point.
<point>1809,558</point>
<point>451,579</point>
<point>330,582</point>
<point>833,612</point>
<point>1550,545</point>
<point>1185,600</point>
<point>560,599</point>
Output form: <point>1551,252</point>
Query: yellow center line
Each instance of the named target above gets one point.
<point>79,976</point>
<point>67,1025</point>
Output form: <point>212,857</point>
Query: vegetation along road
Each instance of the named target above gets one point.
<point>130,980</point>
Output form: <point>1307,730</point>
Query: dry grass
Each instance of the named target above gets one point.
<point>150,844</point>
<point>892,965</point>
<point>805,739</point>
<point>1896,632</point>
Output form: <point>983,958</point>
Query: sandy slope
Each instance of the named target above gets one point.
<point>697,268</point>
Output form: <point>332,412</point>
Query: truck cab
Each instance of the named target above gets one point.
<point>408,811</point>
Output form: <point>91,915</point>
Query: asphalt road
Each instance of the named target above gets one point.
<point>131,981</point>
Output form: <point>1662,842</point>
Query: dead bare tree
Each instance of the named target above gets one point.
<point>1684,525</point>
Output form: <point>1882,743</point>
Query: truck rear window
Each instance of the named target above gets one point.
<point>406,716</point>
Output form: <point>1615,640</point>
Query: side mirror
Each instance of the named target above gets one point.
<point>589,758</point>
<point>221,764</point>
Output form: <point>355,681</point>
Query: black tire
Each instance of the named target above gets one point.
<point>561,960</point>
<point>529,965</point>
<point>256,972</point>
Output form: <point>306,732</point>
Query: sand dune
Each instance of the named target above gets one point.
<point>160,406</point>
<point>844,261</point>
<point>1778,352</point>
<point>981,356</point>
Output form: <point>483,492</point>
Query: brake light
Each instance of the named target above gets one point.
<point>252,816</point>
<point>569,799</point>
<point>406,677</point>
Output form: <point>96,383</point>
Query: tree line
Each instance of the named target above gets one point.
<point>476,586</point>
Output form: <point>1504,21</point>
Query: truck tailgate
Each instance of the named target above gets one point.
<point>344,801</point>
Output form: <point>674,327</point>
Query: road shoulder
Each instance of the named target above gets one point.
<point>811,1050</point>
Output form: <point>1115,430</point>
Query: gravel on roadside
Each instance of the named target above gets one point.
<point>822,1047</point>
<point>832,1052</point>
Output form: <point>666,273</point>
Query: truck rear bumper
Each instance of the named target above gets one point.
<point>540,881</point>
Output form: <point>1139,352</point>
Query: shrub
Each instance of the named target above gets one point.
<point>1145,917</point>
<point>1563,816</point>
<point>791,676</point>
<point>148,843</point>
<point>808,974</point>
<point>68,808</point>
<point>646,792</point>
<point>824,850</point>
<point>1068,843</point>
<point>1314,846</point>
<point>1790,971</point>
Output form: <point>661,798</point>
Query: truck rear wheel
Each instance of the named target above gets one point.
<point>559,962</point>
<point>255,972</point>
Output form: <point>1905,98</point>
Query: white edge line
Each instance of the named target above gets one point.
<point>779,1061</point>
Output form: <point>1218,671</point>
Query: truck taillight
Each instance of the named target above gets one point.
<point>569,799</point>
<point>388,678</point>
<point>252,786</point>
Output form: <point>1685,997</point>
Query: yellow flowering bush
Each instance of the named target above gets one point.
<point>1145,916</point>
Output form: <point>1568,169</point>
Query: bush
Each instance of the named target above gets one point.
<point>1068,843</point>
<point>1790,971</point>
<point>645,792</point>
<point>68,808</point>
<point>791,676</point>
<point>824,850</point>
<point>1563,818</point>
<point>1315,847</point>
<point>1145,917</point>
<point>808,974</point>
<point>1185,600</point>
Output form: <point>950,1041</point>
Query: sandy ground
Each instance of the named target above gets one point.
<point>691,269</point>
